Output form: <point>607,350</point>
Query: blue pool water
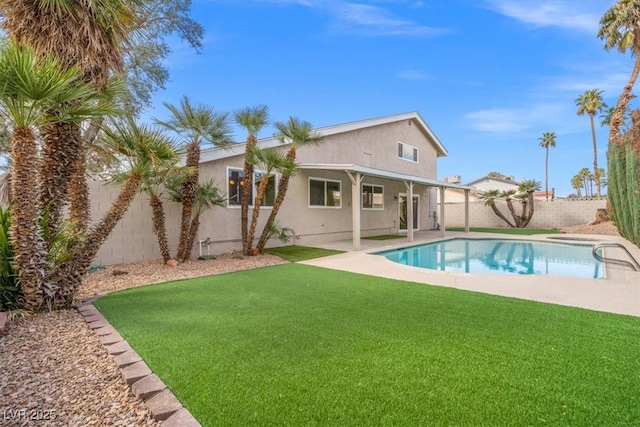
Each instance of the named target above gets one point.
<point>501,257</point>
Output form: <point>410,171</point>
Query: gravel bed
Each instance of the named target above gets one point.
<point>606,228</point>
<point>54,370</point>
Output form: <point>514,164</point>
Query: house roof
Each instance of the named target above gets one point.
<point>211,154</point>
<point>382,174</point>
<point>505,179</point>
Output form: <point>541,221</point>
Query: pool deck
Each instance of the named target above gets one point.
<point>618,293</point>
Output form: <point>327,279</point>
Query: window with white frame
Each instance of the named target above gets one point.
<point>407,152</point>
<point>325,193</point>
<point>235,183</point>
<point>372,196</point>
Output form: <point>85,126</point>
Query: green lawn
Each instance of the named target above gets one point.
<point>296,253</point>
<point>384,237</point>
<point>519,231</point>
<point>301,345</point>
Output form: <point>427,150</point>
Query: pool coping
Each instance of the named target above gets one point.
<point>618,292</point>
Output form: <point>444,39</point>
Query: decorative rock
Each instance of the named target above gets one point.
<point>172,263</point>
<point>148,386</point>
<point>133,373</point>
<point>182,418</point>
<point>163,405</point>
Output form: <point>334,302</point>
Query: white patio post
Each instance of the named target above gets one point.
<point>355,207</point>
<point>466,211</point>
<point>442,211</point>
<point>409,185</point>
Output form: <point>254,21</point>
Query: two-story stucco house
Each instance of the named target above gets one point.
<point>359,181</point>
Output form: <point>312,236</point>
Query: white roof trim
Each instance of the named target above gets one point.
<point>381,174</point>
<point>211,154</point>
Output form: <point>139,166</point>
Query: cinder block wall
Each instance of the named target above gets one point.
<point>133,239</point>
<point>547,214</point>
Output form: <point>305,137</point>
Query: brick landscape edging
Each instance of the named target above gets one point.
<point>146,385</point>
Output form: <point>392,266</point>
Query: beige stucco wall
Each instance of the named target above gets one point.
<point>547,214</point>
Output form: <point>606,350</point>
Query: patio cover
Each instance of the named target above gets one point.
<point>357,173</point>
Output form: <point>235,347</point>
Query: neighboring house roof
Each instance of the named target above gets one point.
<point>211,154</point>
<point>505,179</point>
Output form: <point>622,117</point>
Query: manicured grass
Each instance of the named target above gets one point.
<point>295,253</point>
<point>384,237</point>
<point>301,345</point>
<point>519,231</point>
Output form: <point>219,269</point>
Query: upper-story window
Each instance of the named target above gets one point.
<point>235,183</point>
<point>325,193</point>
<point>372,196</point>
<point>407,152</point>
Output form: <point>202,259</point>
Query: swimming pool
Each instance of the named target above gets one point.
<point>501,256</point>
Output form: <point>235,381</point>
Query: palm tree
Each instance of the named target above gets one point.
<point>198,124</point>
<point>527,188</point>
<point>153,185</point>
<point>144,149</point>
<point>576,182</point>
<point>86,34</point>
<point>618,27</point>
<point>253,119</point>
<point>591,103</point>
<point>208,195</point>
<point>547,140</point>
<point>269,161</point>
<point>297,133</point>
<point>489,197</point>
<point>29,86</point>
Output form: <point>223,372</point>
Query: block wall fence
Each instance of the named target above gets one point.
<point>133,239</point>
<point>547,214</point>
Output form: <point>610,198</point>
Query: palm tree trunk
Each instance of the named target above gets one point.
<point>283,185</point>
<point>188,198</point>
<point>546,173</point>
<point>531,209</point>
<point>30,258</point>
<point>262,188</point>
<point>58,156</point>
<point>100,232</point>
<point>245,194</point>
<point>596,174</point>
<point>193,231</point>
<point>159,227</point>
<point>500,215</point>
<point>623,102</point>
<point>513,213</point>
<point>79,190</point>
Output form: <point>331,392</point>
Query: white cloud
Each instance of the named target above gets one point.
<point>569,14</point>
<point>515,120</point>
<point>355,18</point>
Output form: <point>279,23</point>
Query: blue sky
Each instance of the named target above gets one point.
<point>488,76</point>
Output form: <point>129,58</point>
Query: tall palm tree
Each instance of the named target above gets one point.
<point>585,175</point>
<point>269,161</point>
<point>591,103</point>
<point>252,119</point>
<point>296,133</point>
<point>87,34</point>
<point>547,140</point>
<point>618,28</point>
<point>198,124</point>
<point>29,87</point>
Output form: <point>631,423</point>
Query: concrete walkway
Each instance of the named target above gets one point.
<point>618,293</point>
